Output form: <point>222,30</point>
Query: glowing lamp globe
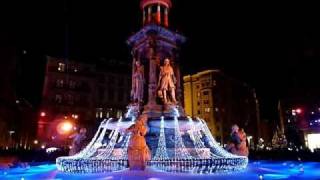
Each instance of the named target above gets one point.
<point>42,114</point>
<point>64,127</point>
<point>299,111</point>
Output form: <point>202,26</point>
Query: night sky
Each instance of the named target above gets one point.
<point>274,48</point>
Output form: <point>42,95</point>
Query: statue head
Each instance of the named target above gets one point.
<point>143,118</point>
<point>235,128</point>
<point>166,61</point>
<point>137,63</point>
<point>83,131</point>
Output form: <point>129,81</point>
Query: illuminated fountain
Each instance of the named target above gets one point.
<point>178,143</point>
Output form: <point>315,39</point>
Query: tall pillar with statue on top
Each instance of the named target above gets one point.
<point>156,48</point>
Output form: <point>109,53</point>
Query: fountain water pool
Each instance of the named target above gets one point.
<point>255,170</point>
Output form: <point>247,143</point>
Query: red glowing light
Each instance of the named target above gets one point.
<point>299,111</point>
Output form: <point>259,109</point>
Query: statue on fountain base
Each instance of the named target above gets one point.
<point>138,151</point>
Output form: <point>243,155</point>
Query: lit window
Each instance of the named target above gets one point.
<point>59,83</point>
<point>70,99</point>
<point>119,114</point>
<point>58,98</point>
<point>313,141</point>
<point>61,67</point>
<point>72,84</point>
<point>207,110</point>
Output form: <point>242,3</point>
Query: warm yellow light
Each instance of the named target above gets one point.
<point>35,142</point>
<point>313,141</point>
<point>65,127</point>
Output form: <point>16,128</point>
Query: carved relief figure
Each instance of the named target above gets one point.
<point>166,83</point>
<point>137,82</point>
<point>138,151</point>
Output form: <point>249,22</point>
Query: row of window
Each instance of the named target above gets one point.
<point>113,94</point>
<point>115,80</point>
<point>67,99</point>
<point>62,67</point>
<point>109,113</point>
<point>60,83</point>
<point>206,84</point>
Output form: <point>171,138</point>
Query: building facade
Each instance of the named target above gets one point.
<point>8,108</point>
<point>81,93</point>
<point>222,102</point>
<point>113,88</point>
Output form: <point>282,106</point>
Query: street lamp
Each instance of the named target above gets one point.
<point>65,127</point>
<point>299,111</point>
<point>10,137</point>
<point>43,114</point>
<point>35,142</point>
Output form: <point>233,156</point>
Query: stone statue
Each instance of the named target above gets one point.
<point>238,142</point>
<point>138,151</point>
<point>137,82</point>
<point>166,83</point>
<point>78,142</point>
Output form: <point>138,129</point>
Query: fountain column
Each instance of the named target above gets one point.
<point>152,87</point>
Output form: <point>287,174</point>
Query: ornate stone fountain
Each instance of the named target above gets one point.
<point>177,143</point>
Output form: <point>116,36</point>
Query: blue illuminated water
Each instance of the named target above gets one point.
<point>255,170</point>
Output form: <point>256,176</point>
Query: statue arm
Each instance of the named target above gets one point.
<point>130,128</point>
<point>160,76</point>
<point>174,79</point>
<point>143,131</point>
<point>142,73</point>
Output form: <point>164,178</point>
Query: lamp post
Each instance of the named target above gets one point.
<point>10,138</point>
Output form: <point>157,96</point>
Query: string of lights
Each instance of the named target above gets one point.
<point>161,153</point>
<point>209,157</point>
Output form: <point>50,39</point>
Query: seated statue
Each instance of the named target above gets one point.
<point>238,144</point>
<point>138,151</point>
<point>78,142</point>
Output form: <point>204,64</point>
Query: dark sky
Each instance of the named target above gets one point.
<point>264,45</point>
